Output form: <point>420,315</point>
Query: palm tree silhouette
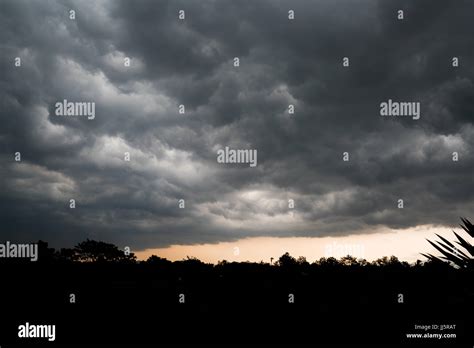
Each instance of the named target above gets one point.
<point>452,254</point>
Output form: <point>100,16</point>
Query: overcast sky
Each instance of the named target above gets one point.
<point>191,62</point>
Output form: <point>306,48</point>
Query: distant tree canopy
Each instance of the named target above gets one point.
<point>156,260</point>
<point>286,260</point>
<point>93,251</point>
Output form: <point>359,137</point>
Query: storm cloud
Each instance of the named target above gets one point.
<point>190,62</point>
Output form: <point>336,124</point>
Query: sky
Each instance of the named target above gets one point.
<point>173,155</point>
<point>406,244</point>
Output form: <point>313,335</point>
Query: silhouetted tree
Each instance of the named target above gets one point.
<point>452,254</point>
<point>349,260</point>
<point>301,261</point>
<point>286,260</point>
<point>191,260</point>
<point>157,261</point>
<point>327,261</point>
<point>390,262</point>
<point>222,263</point>
<point>93,251</point>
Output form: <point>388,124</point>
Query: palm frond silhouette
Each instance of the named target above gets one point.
<point>460,254</point>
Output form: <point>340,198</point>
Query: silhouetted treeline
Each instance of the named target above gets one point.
<point>119,299</point>
<point>459,253</point>
<point>99,252</point>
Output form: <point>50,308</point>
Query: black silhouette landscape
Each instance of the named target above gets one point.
<point>122,300</point>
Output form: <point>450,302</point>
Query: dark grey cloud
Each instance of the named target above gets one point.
<point>173,156</point>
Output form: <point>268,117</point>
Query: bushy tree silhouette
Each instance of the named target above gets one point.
<point>460,255</point>
<point>157,261</point>
<point>286,260</point>
<point>93,251</point>
<point>349,261</point>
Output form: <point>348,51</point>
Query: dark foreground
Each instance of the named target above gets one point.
<point>236,303</point>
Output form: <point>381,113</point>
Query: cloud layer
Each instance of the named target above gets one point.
<point>173,156</point>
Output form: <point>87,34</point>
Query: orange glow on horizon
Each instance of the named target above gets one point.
<point>405,244</point>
